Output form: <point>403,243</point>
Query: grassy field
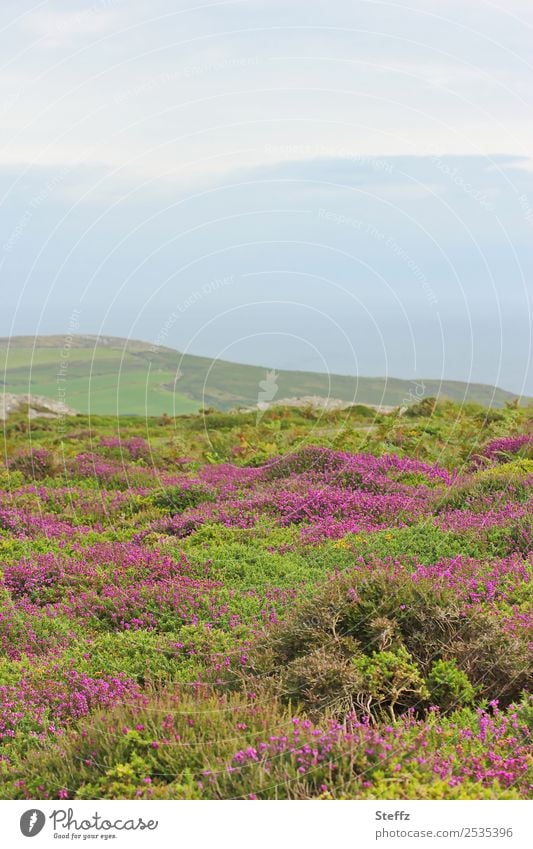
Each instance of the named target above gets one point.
<point>307,605</point>
<point>128,377</point>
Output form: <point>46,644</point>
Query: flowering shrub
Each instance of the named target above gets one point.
<point>499,449</point>
<point>35,464</point>
<point>135,446</point>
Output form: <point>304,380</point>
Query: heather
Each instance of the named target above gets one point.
<point>310,605</point>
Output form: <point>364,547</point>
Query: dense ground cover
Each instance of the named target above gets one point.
<point>291,605</point>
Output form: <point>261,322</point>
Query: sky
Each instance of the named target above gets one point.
<point>342,187</point>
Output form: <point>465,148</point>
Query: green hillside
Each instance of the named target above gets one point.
<point>106,375</point>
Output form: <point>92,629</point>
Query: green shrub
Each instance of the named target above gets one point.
<point>362,613</point>
<point>449,686</point>
<point>426,407</point>
<point>421,543</point>
<point>515,538</point>
<point>175,499</point>
<point>392,680</point>
<point>510,479</point>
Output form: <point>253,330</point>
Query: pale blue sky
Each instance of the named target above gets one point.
<point>344,186</point>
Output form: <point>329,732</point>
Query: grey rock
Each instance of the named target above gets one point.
<point>38,406</point>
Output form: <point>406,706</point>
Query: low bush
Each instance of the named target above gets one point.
<point>35,464</point>
<point>375,624</point>
<point>175,499</point>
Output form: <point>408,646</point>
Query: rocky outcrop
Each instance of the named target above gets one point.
<point>37,405</point>
<point>319,403</point>
<point>316,402</point>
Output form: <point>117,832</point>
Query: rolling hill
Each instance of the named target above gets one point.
<point>105,375</point>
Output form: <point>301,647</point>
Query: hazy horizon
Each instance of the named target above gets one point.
<point>345,189</point>
<point>263,364</point>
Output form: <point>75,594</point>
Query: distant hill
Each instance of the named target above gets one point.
<point>109,375</point>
